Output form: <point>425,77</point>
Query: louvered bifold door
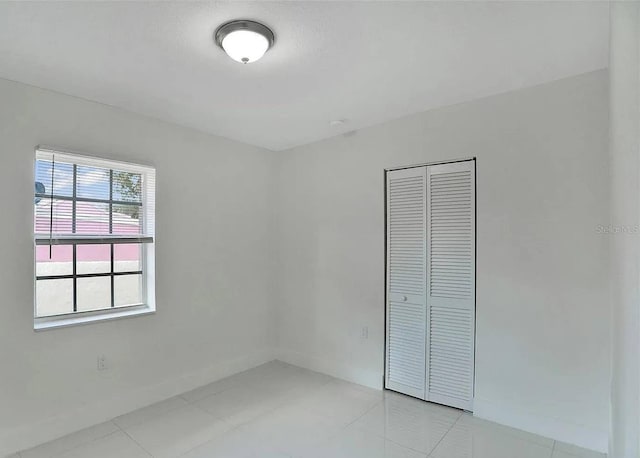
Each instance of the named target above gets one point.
<point>451,283</point>
<point>406,281</point>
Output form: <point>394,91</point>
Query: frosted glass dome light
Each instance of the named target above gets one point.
<point>244,41</point>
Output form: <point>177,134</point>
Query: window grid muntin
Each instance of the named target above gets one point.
<point>112,274</point>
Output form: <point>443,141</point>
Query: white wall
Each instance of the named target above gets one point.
<point>213,287</point>
<point>542,267</point>
<point>302,233</point>
<point>625,245</point>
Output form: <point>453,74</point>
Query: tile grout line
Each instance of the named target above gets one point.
<point>134,441</point>
<point>77,445</point>
<point>238,374</point>
<point>364,413</point>
<point>233,426</point>
<point>181,395</point>
<point>113,420</point>
<point>289,402</point>
<point>384,437</point>
<point>445,435</point>
<point>342,429</point>
<point>216,418</point>
<point>515,432</point>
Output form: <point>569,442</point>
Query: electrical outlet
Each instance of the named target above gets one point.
<point>102,363</point>
<point>365,332</point>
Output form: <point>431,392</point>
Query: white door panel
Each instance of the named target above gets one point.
<point>451,284</point>
<point>406,281</point>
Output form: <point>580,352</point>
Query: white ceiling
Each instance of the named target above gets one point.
<point>368,62</point>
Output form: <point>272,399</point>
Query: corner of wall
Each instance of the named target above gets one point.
<point>336,368</point>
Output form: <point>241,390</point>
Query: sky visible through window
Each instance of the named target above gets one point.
<point>92,182</point>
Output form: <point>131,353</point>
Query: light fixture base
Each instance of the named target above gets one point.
<point>243,24</point>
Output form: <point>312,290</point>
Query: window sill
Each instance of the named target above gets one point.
<point>63,321</point>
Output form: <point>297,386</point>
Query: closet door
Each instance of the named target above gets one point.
<point>451,284</point>
<point>406,281</point>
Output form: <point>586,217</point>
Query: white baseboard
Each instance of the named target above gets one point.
<point>336,368</point>
<point>51,428</point>
<point>552,428</point>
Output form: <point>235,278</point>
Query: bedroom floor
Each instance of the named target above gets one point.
<point>278,411</point>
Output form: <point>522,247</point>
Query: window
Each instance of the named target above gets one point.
<point>94,239</point>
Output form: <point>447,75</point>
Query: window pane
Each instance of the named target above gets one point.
<point>126,219</point>
<point>54,297</point>
<point>60,262</point>
<point>127,290</point>
<point>62,214</point>
<point>94,293</point>
<point>90,199</point>
<point>93,259</point>
<point>92,182</point>
<point>127,257</point>
<point>62,178</point>
<point>127,186</point>
<point>92,218</point>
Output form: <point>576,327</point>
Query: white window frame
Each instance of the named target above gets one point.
<point>147,241</point>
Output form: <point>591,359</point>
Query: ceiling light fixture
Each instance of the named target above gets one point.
<point>243,40</point>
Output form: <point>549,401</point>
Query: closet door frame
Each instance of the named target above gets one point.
<point>385,380</point>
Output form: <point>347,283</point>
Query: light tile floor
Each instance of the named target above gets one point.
<point>278,411</point>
